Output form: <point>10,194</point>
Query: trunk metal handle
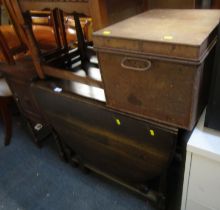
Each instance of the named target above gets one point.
<point>133,63</point>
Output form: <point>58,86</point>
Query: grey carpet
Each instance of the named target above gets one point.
<point>36,179</point>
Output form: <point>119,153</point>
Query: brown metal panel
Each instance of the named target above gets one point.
<point>158,73</point>
<point>166,92</point>
<point>162,32</point>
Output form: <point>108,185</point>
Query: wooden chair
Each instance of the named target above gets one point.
<point>12,48</point>
<point>8,51</point>
<point>101,12</point>
<point>15,61</point>
<point>5,92</point>
<point>17,67</point>
<point>45,64</point>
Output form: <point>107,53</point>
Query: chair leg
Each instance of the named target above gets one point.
<point>7,122</point>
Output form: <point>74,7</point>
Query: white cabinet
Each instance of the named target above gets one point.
<point>201,190</point>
